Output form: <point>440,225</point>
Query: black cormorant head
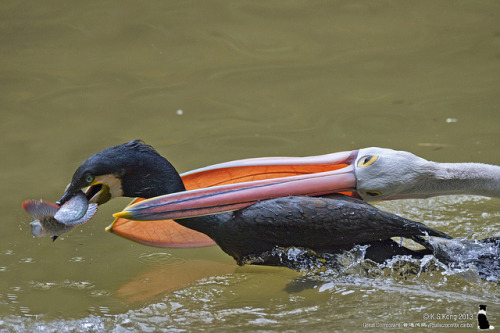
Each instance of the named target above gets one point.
<point>132,169</point>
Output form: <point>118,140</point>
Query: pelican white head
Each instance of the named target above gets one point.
<point>390,174</point>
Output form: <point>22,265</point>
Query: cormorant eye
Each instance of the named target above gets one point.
<point>89,178</point>
<point>367,160</point>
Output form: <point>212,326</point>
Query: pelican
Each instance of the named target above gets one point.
<point>249,207</point>
<point>371,174</point>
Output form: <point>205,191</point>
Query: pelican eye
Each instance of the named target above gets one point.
<point>367,160</point>
<point>373,193</point>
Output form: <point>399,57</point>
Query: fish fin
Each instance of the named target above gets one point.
<point>91,210</point>
<point>40,208</point>
<point>163,233</point>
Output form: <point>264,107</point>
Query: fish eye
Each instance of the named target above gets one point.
<point>89,178</point>
<point>367,160</point>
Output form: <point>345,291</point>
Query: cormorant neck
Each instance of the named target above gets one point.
<point>466,178</point>
<point>154,178</point>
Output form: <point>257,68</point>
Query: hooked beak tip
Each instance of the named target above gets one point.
<point>68,194</point>
<point>65,198</point>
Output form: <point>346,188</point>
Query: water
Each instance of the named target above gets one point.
<point>250,79</point>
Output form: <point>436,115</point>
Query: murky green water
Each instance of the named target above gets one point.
<point>252,79</point>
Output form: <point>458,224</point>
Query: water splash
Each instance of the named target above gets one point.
<point>307,260</point>
<point>481,256</point>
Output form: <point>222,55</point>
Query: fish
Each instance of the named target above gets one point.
<point>52,220</point>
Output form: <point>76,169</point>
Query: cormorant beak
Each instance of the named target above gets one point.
<point>70,192</point>
<point>239,184</point>
<point>97,192</point>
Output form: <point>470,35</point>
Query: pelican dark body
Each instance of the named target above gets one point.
<point>325,224</point>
